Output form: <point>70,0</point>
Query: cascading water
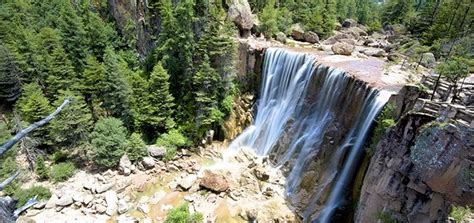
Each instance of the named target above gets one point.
<point>308,116</point>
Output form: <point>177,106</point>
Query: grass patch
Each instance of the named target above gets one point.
<point>62,171</point>
<point>459,213</point>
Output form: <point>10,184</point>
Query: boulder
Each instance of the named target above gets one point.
<point>428,60</point>
<point>281,37</point>
<point>214,182</point>
<point>187,182</point>
<point>297,32</point>
<point>311,37</point>
<point>348,23</point>
<point>122,206</point>
<point>342,49</point>
<point>124,165</point>
<point>358,30</point>
<point>336,38</point>
<point>103,188</point>
<point>155,151</point>
<point>87,199</point>
<point>111,200</point>
<point>241,13</point>
<point>375,52</point>
<point>65,200</point>
<point>261,173</point>
<point>148,162</point>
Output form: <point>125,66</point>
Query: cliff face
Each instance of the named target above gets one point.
<point>420,168</point>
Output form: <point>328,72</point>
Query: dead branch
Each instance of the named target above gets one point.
<point>9,144</point>
<point>9,180</point>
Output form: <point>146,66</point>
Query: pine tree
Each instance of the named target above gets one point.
<point>93,83</point>
<point>72,126</point>
<point>32,104</point>
<point>329,17</point>
<point>268,18</point>
<point>40,169</point>
<point>397,11</point>
<point>109,140</point>
<point>117,91</point>
<point>10,88</point>
<point>207,86</point>
<point>136,148</point>
<point>155,111</point>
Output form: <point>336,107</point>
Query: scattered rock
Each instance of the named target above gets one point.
<point>375,52</point>
<point>64,201</point>
<point>87,199</point>
<point>342,49</point>
<point>281,37</point>
<point>157,197</point>
<point>187,182</point>
<point>214,182</point>
<point>297,32</point>
<point>155,151</point>
<point>428,60</point>
<point>52,201</point>
<point>359,31</point>
<point>111,200</point>
<point>261,173</point>
<point>40,205</point>
<point>122,206</point>
<point>103,188</point>
<point>78,197</point>
<point>100,208</point>
<point>311,37</point>
<point>124,165</point>
<point>349,23</point>
<point>148,162</point>
<point>144,208</point>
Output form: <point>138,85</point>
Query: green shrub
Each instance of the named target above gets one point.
<point>386,217</point>
<point>23,195</point>
<point>8,167</point>
<point>59,156</point>
<point>41,170</point>
<point>109,140</point>
<point>173,139</point>
<point>62,171</point>
<point>136,148</point>
<point>459,213</point>
<point>181,215</point>
<point>169,154</point>
<point>384,121</point>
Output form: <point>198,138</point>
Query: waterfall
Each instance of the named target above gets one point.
<point>309,115</point>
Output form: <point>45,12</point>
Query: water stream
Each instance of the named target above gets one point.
<point>311,113</point>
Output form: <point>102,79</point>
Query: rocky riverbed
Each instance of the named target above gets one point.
<point>237,188</point>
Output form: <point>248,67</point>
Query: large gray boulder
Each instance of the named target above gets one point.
<point>297,32</point>
<point>349,23</point>
<point>155,151</point>
<point>311,37</point>
<point>281,37</point>
<point>124,165</point>
<point>241,13</point>
<point>428,60</point>
<point>375,52</point>
<point>148,162</point>
<point>342,49</point>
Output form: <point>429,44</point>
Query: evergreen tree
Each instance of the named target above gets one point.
<point>329,17</point>
<point>10,88</point>
<point>117,91</point>
<point>397,11</point>
<point>268,19</point>
<point>72,126</point>
<point>155,110</point>
<point>40,169</point>
<point>109,140</point>
<point>207,86</point>
<point>136,148</point>
<point>93,83</point>
<point>33,105</point>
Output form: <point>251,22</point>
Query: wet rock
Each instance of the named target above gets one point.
<point>111,200</point>
<point>311,37</point>
<point>342,49</point>
<point>124,165</point>
<point>261,173</point>
<point>155,151</point>
<point>297,32</point>
<point>281,37</point>
<point>148,162</point>
<point>214,182</point>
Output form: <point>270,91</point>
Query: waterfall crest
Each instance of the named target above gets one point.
<point>312,121</point>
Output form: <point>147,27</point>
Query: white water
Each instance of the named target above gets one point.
<point>286,109</point>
